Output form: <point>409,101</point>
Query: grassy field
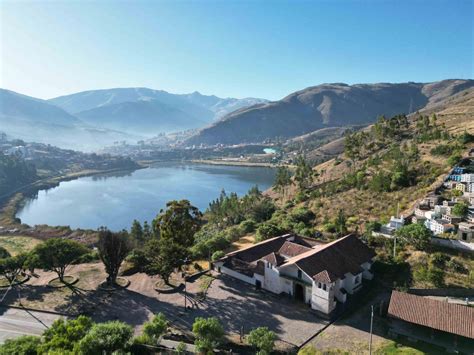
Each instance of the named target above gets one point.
<point>18,244</point>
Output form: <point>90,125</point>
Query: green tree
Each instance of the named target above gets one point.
<point>177,226</point>
<point>340,222</point>
<point>24,345</point>
<point>454,159</point>
<point>113,249</point>
<point>303,173</point>
<point>64,335</point>
<point>217,255</point>
<point>208,333</point>
<point>136,232</point>
<point>460,209</point>
<point>56,254</point>
<point>263,339</point>
<point>266,231</point>
<point>11,267</point>
<point>155,328</point>
<point>4,253</point>
<point>147,232</point>
<point>106,338</point>
<point>415,234</point>
<point>282,180</point>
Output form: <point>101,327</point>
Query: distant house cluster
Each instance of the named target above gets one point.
<point>320,275</point>
<point>438,216</point>
<point>437,212</point>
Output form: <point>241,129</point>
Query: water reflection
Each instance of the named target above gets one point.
<point>115,199</point>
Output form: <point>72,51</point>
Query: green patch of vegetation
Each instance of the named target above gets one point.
<point>18,244</point>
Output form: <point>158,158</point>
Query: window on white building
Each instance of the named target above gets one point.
<point>324,287</point>
<point>319,284</point>
<point>357,279</point>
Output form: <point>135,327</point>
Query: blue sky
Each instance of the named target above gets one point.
<point>230,48</point>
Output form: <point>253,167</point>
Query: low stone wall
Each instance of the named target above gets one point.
<point>453,244</point>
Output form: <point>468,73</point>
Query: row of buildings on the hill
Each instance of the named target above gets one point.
<point>439,214</point>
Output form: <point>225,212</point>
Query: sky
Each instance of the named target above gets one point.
<point>230,48</point>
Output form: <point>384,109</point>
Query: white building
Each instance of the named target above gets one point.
<point>321,275</point>
<point>438,226</point>
<point>467,178</point>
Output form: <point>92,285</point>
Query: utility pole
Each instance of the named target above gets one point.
<point>394,245</point>
<point>371,325</point>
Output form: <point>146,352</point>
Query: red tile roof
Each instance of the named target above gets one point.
<point>448,317</point>
<point>344,255</point>
<point>289,249</point>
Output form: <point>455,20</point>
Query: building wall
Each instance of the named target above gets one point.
<point>227,271</point>
<point>292,271</point>
<point>272,279</point>
<point>323,300</point>
<point>349,282</point>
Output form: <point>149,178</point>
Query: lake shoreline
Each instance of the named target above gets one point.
<point>12,202</point>
<point>11,215</point>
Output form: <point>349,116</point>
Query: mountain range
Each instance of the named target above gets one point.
<point>92,119</point>
<point>143,110</point>
<point>322,106</point>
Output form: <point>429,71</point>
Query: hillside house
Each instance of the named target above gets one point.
<point>466,232</point>
<point>451,219</point>
<point>320,275</point>
<point>468,178</point>
<point>438,226</point>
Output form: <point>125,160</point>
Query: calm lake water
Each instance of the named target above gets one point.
<point>115,200</point>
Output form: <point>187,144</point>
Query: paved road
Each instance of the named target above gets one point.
<point>17,322</point>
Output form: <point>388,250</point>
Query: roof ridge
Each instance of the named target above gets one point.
<point>316,249</point>
<point>260,243</point>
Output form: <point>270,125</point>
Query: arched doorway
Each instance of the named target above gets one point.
<point>299,292</point>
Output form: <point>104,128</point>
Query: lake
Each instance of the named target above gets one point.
<point>115,200</point>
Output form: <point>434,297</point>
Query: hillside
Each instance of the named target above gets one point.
<point>14,106</point>
<point>362,178</point>
<point>327,105</point>
<point>143,117</point>
<point>147,111</point>
<point>37,120</point>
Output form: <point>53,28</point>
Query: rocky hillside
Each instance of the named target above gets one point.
<point>327,105</point>
<point>389,165</point>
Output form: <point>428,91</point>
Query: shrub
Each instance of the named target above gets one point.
<point>456,266</point>
<point>208,333</point>
<point>24,345</point>
<point>155,328</point>
<point>263,339</point>
<point>65,335</point>
<point>454,159</point>
<point>415,234</point>
<point>106,337</point>
<point>329,227</point>
<point>302,214</point>
<point>439,259</point>
<point>247,226</point>
<point>460,209</point>
<point>217,255</point>
<point>266,231</point>
<point>442,149</point>
<point>90,257</point>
